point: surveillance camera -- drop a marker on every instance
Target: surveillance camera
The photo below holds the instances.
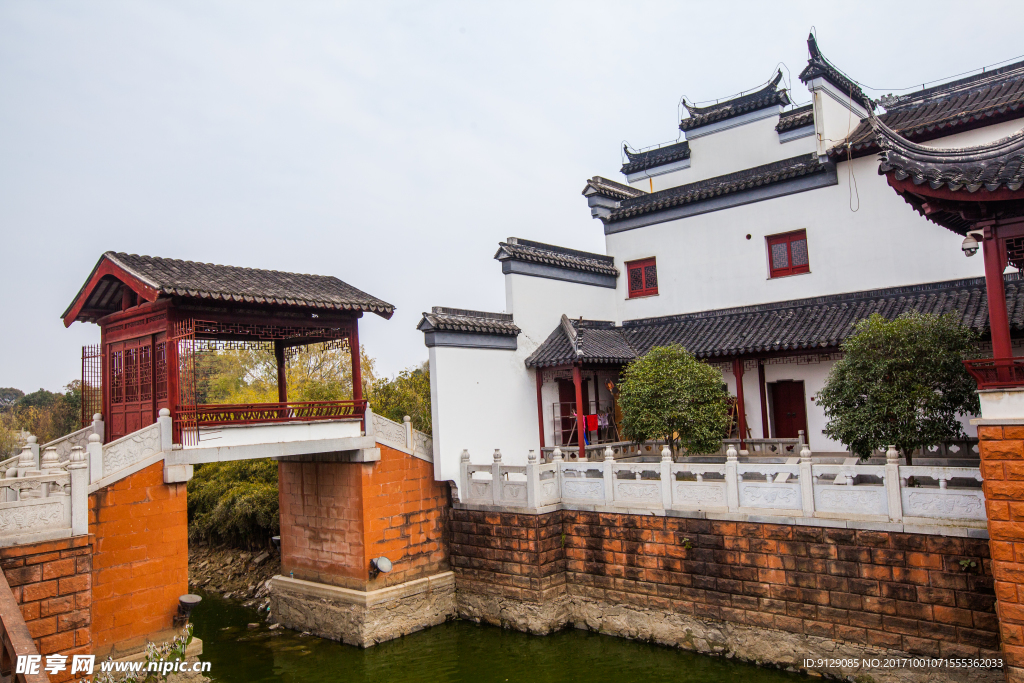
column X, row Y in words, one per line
column 970, row 245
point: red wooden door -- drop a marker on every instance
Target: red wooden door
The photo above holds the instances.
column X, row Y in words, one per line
column 567, row 407
column 130, row 377
column 788, row 409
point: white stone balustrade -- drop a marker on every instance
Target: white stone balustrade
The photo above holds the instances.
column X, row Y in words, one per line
column 797, row 488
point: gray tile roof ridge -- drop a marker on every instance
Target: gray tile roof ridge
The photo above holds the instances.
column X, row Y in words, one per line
column 954, row 88
column 518, row 249
column 469, row 313
column 609, row 188
column 765, row 174
column 846, row 297
column 196, row 279
column 796, row 118
column 766, row 96
column 655, row 156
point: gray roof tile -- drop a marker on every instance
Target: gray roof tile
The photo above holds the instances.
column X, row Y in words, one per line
column 767, row 96
column 805, row 324
column 463, row 320
column 518, row 249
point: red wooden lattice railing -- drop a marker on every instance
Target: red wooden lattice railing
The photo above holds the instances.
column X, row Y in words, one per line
column 214, row 415
column 993, row 373
column 15, row 638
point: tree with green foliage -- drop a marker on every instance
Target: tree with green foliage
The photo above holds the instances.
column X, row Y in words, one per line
column 668, row 394
column 901, row 382
column 234, row 503
column 408, row 393
column 9, row 396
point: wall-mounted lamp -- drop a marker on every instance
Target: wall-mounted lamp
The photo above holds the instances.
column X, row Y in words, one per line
column 969, row 245
column 379, row 565
column 186, row 603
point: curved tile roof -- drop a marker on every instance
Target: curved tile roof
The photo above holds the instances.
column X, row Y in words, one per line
column 463, row 320
column 213, row 282
column 965, row 104
column 652, row 158
column 611, row 189
column 778, row 171
column 765, row 97
column 796, row 118
column 995, row 165
column 799, row 325
column 819, row 67
column 517, row 249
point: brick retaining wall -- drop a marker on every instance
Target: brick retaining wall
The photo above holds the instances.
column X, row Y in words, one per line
column 140, row 526
column 878, row 589
column 337, row 516
column 52, row 583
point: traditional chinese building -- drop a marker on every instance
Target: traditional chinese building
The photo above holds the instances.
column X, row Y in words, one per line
column 757, row 240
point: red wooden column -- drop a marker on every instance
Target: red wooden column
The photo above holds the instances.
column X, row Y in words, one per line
column 741, row 415
column 996, row 294
column 581, row 423
column 282, row 373
column 540, row 406
column 357, row 373
column 763, row 390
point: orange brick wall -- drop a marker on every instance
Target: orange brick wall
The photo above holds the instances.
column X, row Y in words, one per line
column 1002, row 467
column 336, row 517
column 52, row 583
column 406, row 517
column 322, row 522
column 140, row 564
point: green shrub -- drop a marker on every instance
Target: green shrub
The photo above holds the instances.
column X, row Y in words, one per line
column 234, row 503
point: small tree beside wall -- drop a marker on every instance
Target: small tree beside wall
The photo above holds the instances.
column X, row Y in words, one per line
column 668, row 394
column 901, row 382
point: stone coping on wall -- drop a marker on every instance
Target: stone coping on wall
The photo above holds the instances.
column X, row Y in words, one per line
column 895, row 527
column 362, row 598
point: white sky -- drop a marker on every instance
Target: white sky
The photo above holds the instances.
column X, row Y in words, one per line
column 389, row 144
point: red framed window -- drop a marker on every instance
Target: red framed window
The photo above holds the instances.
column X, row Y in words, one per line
column 787, row 254
column 643, row 277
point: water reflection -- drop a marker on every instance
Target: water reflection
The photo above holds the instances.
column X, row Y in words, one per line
column 456, row 652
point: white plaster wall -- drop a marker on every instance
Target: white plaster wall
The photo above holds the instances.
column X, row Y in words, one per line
column 705, row 262
column 537, row 305
column 482, row 399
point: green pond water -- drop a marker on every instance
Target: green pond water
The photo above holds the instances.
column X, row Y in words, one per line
column 455, row 652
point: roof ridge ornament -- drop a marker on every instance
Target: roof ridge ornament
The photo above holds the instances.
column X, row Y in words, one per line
column 819, row 67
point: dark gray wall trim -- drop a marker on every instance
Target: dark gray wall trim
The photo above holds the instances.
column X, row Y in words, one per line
column 796, row 133
column 757, row 194
column 555, row 273
column 470, row 341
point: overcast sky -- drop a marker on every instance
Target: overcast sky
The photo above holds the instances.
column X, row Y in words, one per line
column 392, row 145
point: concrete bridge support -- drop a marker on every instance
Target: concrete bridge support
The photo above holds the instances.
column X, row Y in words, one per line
column 337, row 520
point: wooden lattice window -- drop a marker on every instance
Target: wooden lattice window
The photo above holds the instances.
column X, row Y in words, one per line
column 131, row 375
column 787, row 254
column 161, row 371
column 117, row 377
column 145, row 373
column 642, row 277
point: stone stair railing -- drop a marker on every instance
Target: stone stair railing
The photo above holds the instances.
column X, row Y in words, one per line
column 401, row 437
column 797, row 488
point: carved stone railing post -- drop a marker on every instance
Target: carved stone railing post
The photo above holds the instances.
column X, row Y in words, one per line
column 369, row 428
column 496, row 477
column 49, row 464
column 666, row 477
column 78, row 468
column 97, row 425
column 33, row 443
column 166, row 430
column 732, row 485
column 806, row 481
column 532, row 479
column 556, row 458
column 408, row 431
column 609, row 475
column 95, row 450
column 893, row 484
column 464, row 490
